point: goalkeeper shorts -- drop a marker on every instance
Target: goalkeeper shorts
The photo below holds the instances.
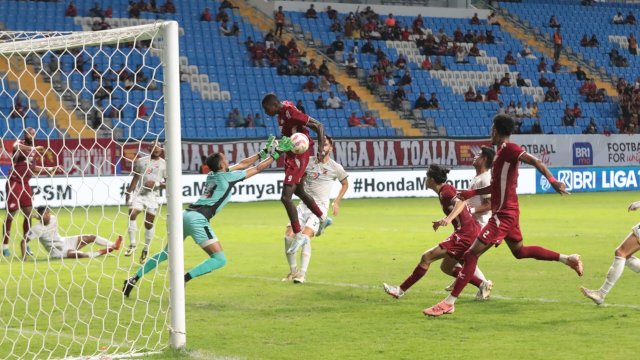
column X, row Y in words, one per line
column 197, row 226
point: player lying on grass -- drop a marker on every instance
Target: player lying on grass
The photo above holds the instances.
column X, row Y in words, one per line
column 195, row 219
column 292, row 120
column 505, row 222
column 450, row 251
column 149, row 176
column 622, row 256
column 319, row 178
column 66, row 247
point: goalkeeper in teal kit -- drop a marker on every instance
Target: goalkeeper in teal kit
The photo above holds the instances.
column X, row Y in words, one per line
column 195, row 219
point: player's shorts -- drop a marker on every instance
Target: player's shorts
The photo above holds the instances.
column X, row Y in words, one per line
column 295, row 167
column 68, row 243
column 197, row 226
column 18, row 195
column 501, row 227
column 636, row 231
column 147, row 203
column 307, row 218
column 456, row 246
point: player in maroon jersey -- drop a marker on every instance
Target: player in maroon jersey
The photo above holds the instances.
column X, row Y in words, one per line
column 18, row 191
column 466, row 230
column 504, row 224
column 291, row 120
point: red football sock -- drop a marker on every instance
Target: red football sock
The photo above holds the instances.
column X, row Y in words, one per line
column 315, row 209
column 7, row 230
column 474, row 280
column 465, row 275
column 416, row 275
column 26, row 225
column 536, row 252
column 295, row 226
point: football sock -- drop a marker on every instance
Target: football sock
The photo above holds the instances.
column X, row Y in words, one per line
column 102, row 241
column 7, row 230
column 416, row 275
column 315, row 209
column 536, row 252
column 26, row 224
column 94, row 254
column 479, row 274
column 563, row 258
column 465, row 275
column 450, row 299
column 291, row 258
column 133, row 229
column 305, row 257
column 153, row 262
column 613, row 275
column 476, row 281
column 148, row 236
column 295, row 225
column 633, row 263
column 5, row 246
column 214, row 262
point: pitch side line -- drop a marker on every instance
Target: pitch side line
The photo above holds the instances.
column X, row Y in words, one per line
column 497, row 297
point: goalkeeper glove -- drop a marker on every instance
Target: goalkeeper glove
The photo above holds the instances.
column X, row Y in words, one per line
column 267, row 148
column 283, row 146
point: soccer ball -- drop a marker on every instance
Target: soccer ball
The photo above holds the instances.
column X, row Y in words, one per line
column 300, row 143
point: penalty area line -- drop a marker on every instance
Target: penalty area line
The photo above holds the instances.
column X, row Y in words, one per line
column 493, row 296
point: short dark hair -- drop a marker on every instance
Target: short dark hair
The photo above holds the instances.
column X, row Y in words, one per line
column 438, row 173
column 41, row 209
column 504, row 124
column 270, row 98
column 329, row 138
column 488, row 154
column 213, row 162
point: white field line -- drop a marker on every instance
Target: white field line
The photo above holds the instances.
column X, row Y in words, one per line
column 440, row 292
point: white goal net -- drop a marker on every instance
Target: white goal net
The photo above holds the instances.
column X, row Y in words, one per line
column 96, row 102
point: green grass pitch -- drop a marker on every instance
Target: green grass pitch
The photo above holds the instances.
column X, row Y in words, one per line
column 244, row 311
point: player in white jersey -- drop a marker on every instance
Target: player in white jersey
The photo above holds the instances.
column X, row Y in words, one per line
column 58, row 247
column 149, row 176
column 320, row 176
column 480, row 207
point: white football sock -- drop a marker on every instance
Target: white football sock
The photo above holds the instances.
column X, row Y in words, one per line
column 291, row 258
column 450, row 299
column 563, row 258
column 478, row 273
column 133, row 232
column 613, row 275
column 5, row 246
column 148, row 236
column 102, row 241
column 633, row 263
column 305, row 257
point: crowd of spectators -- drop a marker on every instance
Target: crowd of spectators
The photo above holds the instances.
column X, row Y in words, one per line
column 629, row 101
column 236, row 120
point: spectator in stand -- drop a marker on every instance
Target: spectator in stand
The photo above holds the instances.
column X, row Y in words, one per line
column 557, row 44
column 18, row 109
column 351, row 65
column 108, row 13
column 618, row 19
column 309, row 86
column 96, row 11
column 520, row 82
column 249, row 122
column 368, row 48
column 474, row 50
column 142, row 111
column 235, row 119
column 418, row 25
column 458, row 35
column 526, row 52
column 319, row 102
column 421, row 102
column 397, row 98
column 437, row 65
column 633, row 44
column 588, row 87
column 501, row 110
column 492, row 94
column 258, row 121
column 311, row 13
column 519, row 110
column 279, row 20
column 506, row 80
column 354, row 120
column 631, row 19
column 577, row 112
column 222, row 15
column 206, row 15
column 433, row 102
column 300, row 107
column 351, row 95
column 461, row 55
column 490, row 38
column 333, row 102
column 568, row 119
column 401, row 62
column 511, row 109
column 536, row 128
column 535, row 112
column 556, row 67
column 168, row 7
column 592, row 127
column 492, row 19
column 542, row 65
column 332, row 13
column 72, row 10
column 553, row 22
column 584, row 42
column 390, row 21
column 528, row 111
column 606, row 131
column 580, row 74
column 405, row 79
column 426, row 63
column 324, row 84
column 475, row 20
column 369, row 120
column 469, row 37
column 552, row 95
column 593, row 42
column 470, row 95
column 509, row 59
column 323, row 69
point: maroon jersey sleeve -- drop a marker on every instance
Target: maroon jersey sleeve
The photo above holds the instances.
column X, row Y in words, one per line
column 447, row 196
column 513, row 152
column 293, row 116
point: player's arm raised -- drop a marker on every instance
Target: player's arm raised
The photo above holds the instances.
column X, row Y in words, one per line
column 284, row 145
column 245, row 163
column 558, row 186
column 317, row 126
column 457, row 209
column 336, row 202
column 468, row 194
column 26, row 149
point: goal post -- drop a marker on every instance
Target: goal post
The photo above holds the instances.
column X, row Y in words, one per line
column 94, row 122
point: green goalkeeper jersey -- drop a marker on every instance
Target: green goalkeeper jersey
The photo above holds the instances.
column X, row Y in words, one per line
column 217, row 192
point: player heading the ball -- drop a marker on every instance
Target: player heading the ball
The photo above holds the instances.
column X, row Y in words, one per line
column 291, row 120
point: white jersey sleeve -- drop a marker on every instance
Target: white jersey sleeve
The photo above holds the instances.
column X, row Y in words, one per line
column 321, row 177
column 481, row 181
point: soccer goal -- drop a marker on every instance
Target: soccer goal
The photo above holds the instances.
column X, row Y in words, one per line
column 98, row 101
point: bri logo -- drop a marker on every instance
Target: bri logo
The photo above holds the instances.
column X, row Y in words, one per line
column 582, row 153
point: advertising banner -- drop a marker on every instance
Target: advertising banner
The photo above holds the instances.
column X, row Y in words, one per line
column 591, row 179
column 582, row 150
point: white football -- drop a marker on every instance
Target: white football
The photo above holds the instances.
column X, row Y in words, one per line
column 300, row 143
